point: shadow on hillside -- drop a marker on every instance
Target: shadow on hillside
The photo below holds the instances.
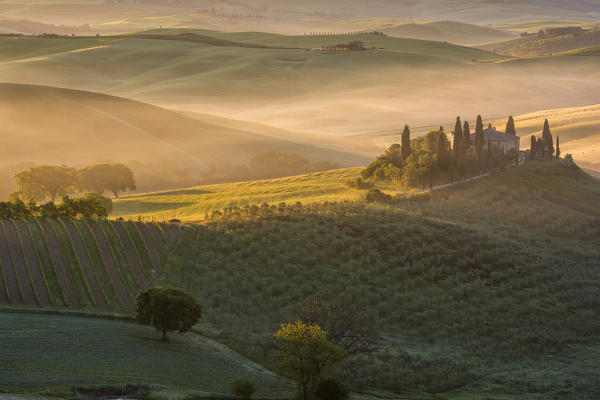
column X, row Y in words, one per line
column 134, row 207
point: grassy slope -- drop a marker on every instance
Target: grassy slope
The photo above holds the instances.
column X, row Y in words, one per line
column 99, row 351
column 304, row 91
column 96, row 127
column 192, row 204
column 533, row 46
column 494, row 283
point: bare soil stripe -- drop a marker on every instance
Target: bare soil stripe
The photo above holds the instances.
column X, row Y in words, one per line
column 16, row 254
column 88, row 272
column 59, row 265
column 150, row 244
column 131, row 255
column 9, row 271
column 31, row 258
column 111, row 266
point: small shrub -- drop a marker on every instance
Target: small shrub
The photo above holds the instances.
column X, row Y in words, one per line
column 243, row 388
column 330, row 389
column 359, row 183
column 377, row 196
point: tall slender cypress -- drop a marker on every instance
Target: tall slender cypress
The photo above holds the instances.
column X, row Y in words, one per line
column 557, row 147
column 548, row 143
column 479, row 141
column 405, row 143
column 532, row 148
column 458, row 133
column 510, row 126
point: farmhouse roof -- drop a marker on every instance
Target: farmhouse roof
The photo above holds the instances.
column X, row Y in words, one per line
column 495, row 136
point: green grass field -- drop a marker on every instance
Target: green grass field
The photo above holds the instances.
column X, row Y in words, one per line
column 193, row 204
column 47, row 353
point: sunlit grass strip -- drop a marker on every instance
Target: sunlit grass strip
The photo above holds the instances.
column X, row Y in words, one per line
column 12, row 261
column 27, row 266
column 98, row 267
column 82, row 288
column 42, row 253
column 117, row 250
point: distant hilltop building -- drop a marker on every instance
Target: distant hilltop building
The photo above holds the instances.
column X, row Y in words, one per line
column 508, row 143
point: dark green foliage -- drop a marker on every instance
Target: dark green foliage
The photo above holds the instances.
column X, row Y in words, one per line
column 547, row 142
column 405, row 143
column 510, row 127
column 46, row 182
column 359, row 183
column 458, row 137
column 557, row 147
column 331, row 389
column 377, row 196
column 87, row 207
column 480, row 280
column 479, row 142
column 387, row 167
column 167, row 309
column 533, row 148
column 243, row 388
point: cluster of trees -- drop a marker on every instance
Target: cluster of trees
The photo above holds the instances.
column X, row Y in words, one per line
column 543, row 147
column 55, row 181
column 90, row 206
column 434, row 158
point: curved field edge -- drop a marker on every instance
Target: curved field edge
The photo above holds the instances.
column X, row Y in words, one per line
column 111, row 351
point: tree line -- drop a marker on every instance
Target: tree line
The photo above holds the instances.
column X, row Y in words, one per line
column 435, row 159
column 49, row 182
column 92, row 205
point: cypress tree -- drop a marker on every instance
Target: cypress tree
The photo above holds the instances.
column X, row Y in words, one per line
column 466, row 145
column 532, row 148
column 479, row 125
column 490, row 155
column 405, row 143
column 510, row 127
column 458, row 133
column 539, row 147
column 479, row 141
column 548, row 143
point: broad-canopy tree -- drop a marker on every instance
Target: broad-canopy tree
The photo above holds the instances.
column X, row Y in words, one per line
column 46, row 182
column 307, row 354
column 102, row 178
column 345, row 321
column 167, row 309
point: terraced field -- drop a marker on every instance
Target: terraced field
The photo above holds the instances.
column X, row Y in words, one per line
column 91, row 265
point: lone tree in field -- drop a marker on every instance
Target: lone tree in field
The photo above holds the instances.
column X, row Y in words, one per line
column 346, row 322
column 547, row 141
column 101, row 178
column 510, row 127
column 167, row 310
column 405, row 143
column 307, row 354
column 46, row 182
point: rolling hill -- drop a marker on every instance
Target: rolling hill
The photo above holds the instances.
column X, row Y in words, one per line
column 487, row 289
column 77, row 128
column 301, row 90
column 536, row 45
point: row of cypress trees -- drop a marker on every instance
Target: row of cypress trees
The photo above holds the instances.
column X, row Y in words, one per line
column 543, row 147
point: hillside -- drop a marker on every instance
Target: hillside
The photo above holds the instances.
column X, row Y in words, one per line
column 95, row 352
column 303, row 91
column 536, row 45
column 282, row 16
column 164, row 148
column 488, row 289
column 193, row 204
column 96, row 265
